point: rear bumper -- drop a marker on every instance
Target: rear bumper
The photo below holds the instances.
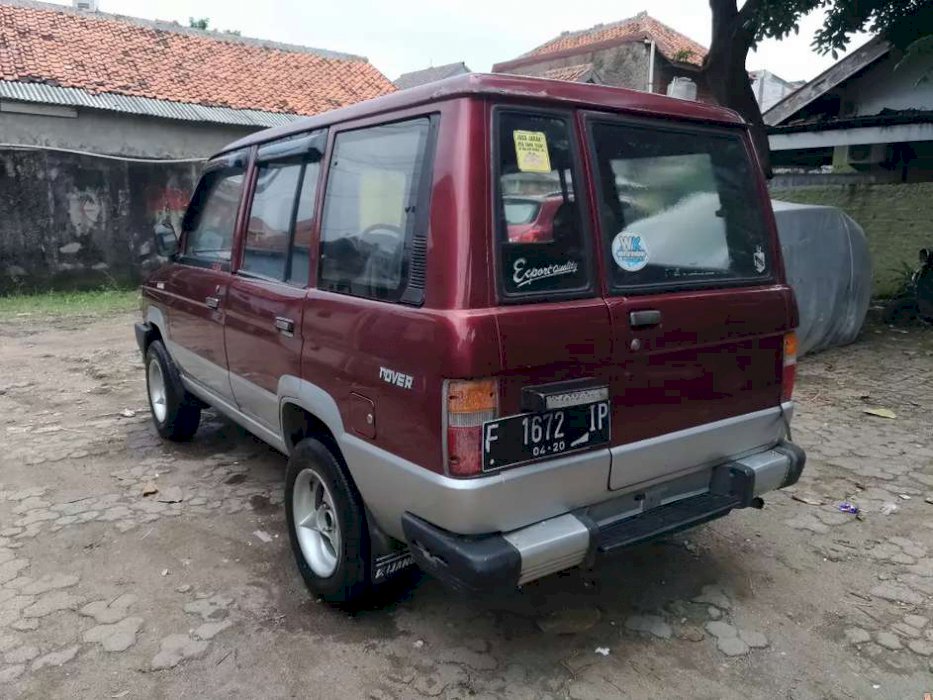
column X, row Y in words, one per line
column 493, row 561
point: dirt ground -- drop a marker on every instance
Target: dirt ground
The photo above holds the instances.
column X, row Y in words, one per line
column 191, row 591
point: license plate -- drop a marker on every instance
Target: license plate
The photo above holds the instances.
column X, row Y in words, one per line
column 532, row 436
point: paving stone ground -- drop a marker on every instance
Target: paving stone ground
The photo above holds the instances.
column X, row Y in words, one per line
column 132, row 568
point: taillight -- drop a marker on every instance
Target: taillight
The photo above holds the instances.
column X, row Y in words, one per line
column 789, row 375
column 469, row 405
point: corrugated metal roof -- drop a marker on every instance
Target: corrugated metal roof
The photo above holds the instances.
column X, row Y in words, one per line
column 111, row 102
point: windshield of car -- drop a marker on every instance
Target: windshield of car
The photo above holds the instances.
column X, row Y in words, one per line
column 678, row 208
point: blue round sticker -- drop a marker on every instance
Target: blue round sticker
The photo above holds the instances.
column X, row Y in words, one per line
column 629, row 252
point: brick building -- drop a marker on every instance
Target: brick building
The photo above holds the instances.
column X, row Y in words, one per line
column 639, row 53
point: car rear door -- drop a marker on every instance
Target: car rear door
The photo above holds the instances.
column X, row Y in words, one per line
column 553, row 324
column 195, row 291
column 694, row 286
column 267, row 294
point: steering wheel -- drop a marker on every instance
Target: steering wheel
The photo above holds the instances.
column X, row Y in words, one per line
column 388, row 228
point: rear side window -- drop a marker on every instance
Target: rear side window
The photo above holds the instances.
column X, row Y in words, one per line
column 678, row 208
column 371, row 209
column 543, row 248
column 210, row 221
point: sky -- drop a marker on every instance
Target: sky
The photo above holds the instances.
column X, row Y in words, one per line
column 406, row 35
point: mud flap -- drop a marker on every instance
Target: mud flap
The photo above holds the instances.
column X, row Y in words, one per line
column 388, row 557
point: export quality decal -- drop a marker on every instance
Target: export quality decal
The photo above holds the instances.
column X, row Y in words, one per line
column 524, row 275
column 629, row 252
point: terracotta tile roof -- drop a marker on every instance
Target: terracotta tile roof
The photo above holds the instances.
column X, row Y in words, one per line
column 673, row 45
column 101, row 53
column 577, row 73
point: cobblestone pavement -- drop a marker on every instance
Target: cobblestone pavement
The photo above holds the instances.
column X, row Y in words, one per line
column 133, row 568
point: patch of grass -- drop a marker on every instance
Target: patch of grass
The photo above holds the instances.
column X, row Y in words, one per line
column 97, row 302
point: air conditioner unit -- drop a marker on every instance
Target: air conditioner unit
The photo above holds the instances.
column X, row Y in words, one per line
column 867, row 154
column 87, row 5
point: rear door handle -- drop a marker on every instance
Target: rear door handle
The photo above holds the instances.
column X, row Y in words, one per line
column 212, row 302
column 285, row 325
column 644, row 319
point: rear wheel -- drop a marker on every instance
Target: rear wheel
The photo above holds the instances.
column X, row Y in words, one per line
column 175, row 413
column 326, row 525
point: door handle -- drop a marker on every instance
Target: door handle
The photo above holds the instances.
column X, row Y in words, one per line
column 285, row 325
column 212, row 302
column 644, row 319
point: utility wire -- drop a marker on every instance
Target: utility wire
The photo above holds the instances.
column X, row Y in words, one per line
column 166, row 161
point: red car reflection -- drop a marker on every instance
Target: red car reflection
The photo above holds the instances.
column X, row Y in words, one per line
column 530, row 219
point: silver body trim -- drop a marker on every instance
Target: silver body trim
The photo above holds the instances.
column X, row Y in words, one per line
column 550, row 546
column 770, row 468
column 669, row 455
column 233, row 413
column 257, row 403
column 500, row 502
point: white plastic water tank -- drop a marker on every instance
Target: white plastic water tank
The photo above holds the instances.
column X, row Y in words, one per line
column 682, row 88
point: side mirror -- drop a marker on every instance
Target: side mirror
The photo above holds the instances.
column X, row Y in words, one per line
column 166, row 240
column 926, row 257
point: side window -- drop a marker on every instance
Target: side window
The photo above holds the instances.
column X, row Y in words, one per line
column 281, row 219
column 210, row 222
column 370, row 209
column 304, row 221
column 265, row 251
column 543, row 249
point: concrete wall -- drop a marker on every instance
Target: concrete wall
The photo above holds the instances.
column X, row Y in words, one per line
column 73, row 221
column 112, row 133
column 896, row 218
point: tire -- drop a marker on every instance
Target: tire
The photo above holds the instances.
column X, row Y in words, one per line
column 332, row 550
column 175, row 413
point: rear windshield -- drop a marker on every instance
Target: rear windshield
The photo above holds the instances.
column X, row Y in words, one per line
column 678, row 208
column 543, row 251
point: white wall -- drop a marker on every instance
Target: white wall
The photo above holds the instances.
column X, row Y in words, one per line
column 884, row 86
column 769, row 89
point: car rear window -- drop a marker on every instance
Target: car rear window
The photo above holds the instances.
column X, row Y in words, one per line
column 678, row 208
column 543, row 249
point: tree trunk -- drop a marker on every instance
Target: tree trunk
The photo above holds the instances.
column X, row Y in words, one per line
column 724, row 69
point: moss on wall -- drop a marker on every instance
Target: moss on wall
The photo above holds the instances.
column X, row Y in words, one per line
column 898, row 221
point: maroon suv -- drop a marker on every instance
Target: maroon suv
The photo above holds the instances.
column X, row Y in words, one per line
column 492, row 408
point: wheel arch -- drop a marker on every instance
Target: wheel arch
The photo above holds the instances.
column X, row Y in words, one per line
column 307, row 410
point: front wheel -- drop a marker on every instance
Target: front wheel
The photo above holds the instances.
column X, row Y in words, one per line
column 326, row 525
column 175, row 413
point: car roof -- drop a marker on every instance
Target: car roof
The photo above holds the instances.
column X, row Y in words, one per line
column 504, row 87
